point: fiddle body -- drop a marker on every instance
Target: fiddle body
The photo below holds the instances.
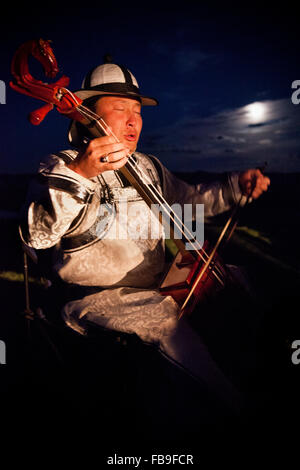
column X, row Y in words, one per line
column 184, row 273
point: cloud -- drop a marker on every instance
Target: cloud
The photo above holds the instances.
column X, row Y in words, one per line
column 210, row 140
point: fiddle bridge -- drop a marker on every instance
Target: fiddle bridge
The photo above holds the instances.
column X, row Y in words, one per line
column 187, row 274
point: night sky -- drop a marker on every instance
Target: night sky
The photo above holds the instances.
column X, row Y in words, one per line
column 222, row 76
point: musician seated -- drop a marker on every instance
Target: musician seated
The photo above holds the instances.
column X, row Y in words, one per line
column 76, row 205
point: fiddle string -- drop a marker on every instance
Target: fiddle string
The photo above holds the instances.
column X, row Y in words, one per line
column 172, row 215
column 235, row 215
column 213, row 268
column 233, row 218
column 152, row 189
column 133, row 165
column 103, row 126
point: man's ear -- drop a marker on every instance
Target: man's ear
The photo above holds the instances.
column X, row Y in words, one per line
column 91, row 102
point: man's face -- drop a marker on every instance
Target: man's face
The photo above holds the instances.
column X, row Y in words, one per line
column 123, row 116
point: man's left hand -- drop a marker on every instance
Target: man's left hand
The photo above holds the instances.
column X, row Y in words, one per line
column 253, row 182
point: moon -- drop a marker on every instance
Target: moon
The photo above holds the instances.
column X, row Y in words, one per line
column 256, row 112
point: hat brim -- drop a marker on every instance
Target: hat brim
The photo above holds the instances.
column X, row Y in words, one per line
column 145, row 100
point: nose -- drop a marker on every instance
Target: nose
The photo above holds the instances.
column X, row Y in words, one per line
column 131, row 119
column 131, row 122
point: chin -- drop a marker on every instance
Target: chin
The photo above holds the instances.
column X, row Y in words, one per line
column 132, row 148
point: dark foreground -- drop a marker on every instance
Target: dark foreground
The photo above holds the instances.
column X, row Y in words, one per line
column 107, row 395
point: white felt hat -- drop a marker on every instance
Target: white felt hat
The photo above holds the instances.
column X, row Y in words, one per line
column 112, row 79
column 109, row 79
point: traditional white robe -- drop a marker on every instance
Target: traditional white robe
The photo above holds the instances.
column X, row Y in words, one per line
column 80, row 218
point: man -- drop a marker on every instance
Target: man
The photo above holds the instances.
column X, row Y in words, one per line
column 116, row 280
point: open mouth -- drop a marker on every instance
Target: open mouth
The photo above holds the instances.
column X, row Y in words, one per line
column 131, row 137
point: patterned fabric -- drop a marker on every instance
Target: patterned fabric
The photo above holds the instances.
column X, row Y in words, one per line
column 154, row 319
column 63, row 212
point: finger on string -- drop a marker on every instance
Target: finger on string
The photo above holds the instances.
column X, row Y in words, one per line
column 101, row 141
column 115, row 165
column 113, row 155
column 108, row 149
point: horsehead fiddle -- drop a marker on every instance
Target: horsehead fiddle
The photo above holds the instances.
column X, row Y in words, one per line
column 194, row 274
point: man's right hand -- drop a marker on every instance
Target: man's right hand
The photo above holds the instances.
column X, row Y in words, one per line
column 88, row 162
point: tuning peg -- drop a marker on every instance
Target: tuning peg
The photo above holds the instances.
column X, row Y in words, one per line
column 37, row 116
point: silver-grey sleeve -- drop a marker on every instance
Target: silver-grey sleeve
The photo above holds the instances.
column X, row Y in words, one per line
column 55, row 198
column 217, row 197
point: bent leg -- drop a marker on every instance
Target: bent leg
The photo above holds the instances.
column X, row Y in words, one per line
column 153, row 318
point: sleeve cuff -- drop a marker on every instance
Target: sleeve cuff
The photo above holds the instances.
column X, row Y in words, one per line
column 238, row 197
